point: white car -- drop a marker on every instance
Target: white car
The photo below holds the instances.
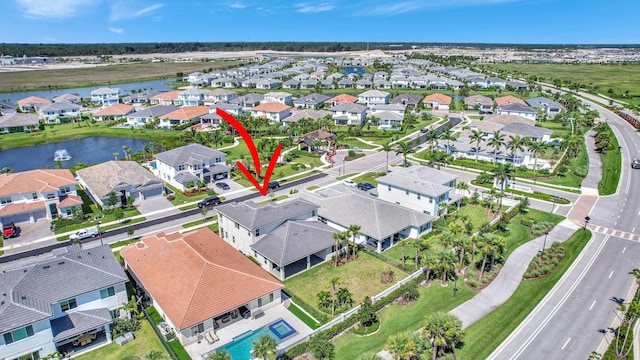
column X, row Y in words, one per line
column 350, row 183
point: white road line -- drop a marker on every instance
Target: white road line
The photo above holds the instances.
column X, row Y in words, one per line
column 565, row 344
column 611, row 274
column 625, row 249
column 634, row 229
column 591, row 307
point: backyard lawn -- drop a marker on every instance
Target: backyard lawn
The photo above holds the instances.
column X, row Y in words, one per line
column 361, row 277
column 145, row 341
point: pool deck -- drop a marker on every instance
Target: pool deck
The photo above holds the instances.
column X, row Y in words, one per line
column 226, row 334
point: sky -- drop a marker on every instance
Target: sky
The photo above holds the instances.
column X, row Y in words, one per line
column 457, row 21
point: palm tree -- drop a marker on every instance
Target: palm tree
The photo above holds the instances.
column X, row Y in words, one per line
column 353, row 231
column 219, row 355
column 265, row 348
column 477, row 136
column 515, row 144
column 338, row 237
column 496, row 142
column 216, row 137
column 448, row 136
column 430, row 261
column 333, row 284
column 502, row 173
column 462, row 243
column 401, row 346
column 127, row 151
column 431, row 138
column 534, row 148
column 147, row 150
column 463, row 186
column 444, row 332
column 386, row 148
column 405, row 149
column 116, row 155
column 7, row 170
column 447, row 259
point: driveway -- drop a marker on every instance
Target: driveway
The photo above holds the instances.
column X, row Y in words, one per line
column 157, row 206
column 29, row 232
column 233, row 186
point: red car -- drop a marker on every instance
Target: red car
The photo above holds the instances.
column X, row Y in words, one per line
column 9, row 231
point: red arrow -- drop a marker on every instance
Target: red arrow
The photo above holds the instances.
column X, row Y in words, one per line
column 254, row 154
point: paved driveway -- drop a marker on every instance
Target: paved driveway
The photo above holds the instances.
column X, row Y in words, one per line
column 153, row 207
column 29, row 232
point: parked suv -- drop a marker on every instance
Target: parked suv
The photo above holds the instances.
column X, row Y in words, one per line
column 9, row 231
column 212, row 200
column 273, row 184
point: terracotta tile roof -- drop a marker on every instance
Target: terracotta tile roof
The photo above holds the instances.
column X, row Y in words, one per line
column 270, row 107
column 342, row 98
column 187, row 113
column 71, row 200
column 115, row 110
column 504, row 100
column 33, row 100
column 441, row 98
column 35, row 180
column 205, row 276
column 169, row 95
column 19, row 208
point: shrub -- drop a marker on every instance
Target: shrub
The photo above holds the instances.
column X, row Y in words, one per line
column 527, row 221
column 352, row 153
column 581, row 171
column 121, row 326
column 541, row 227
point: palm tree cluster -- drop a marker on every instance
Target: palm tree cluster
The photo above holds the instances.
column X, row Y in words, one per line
column 441, row 334
column 351, row 248
column 603, row 137
column 335, row 297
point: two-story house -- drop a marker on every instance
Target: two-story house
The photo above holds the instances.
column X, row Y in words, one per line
column 347, row 113
column 191, row 97
column 64, row 304
column 550, row 107
column 32, row 195
column 279, row 97
column 105, row 96
column 219, row 95
column 275, row 112
column 183, row 167
column 58, row 111
column 372, row 97
column 32, row 103
column 517, row 109
column 420, row 188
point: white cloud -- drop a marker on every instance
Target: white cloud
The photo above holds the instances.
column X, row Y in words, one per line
column 122, row 10
column 116, row 30
column 236, row 5
column 414, row 5
column 312, row 8
column 53, row 9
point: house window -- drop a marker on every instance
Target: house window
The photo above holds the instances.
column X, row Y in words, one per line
column 5, row 200
column 68, row 304
column 389, row 187
column 108, row 292
column 257, row 232
column 18, row 334
column 430, row 200
column 271, row 297
column 65, row 189
column 68, row 212
column 314, row 212
column 197, row 329
column 34, row 195
column 233, row 238
column 237, row 225
column 259, row 302
column 180, row 167
column 418, row 196
column 406, row 192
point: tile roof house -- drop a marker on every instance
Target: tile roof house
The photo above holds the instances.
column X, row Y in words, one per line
column 342, row 98
column 148, row 115
column 275, row 112
column 347, row 113
column 183, row 167
column 47, row 306
column 32, row 103
column 306, row 114
column 437, row 101
column 184, row 115
column 549, row 106
column 508, row 99
column 479, row 102
column 211, row 282
column 517, row 109
column 372, row 97
column 18, row 122
column 112, row 112
column 105, row 96
column 142, row 97
column 310, row 101
column 165, row 98
column 420, row 188
column 55, row 112
column 124, row 178
column 32, row 195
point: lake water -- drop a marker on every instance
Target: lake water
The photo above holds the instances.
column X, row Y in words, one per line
column 352, row 70
column 85, row 92
column 90, row 150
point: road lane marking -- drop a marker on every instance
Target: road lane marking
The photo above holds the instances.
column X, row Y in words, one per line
column 565, row 344
column 591, row 307
column 625, row 249
column 611, row 274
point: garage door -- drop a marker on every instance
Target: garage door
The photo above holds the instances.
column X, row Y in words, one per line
column 39, row 215
column 149, row 193
column 16, row 219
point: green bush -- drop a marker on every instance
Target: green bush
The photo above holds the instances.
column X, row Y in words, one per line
column 153, row 314
column 121, row 326
column 527, row 221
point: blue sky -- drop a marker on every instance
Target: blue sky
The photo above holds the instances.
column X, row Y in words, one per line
column 487, row 21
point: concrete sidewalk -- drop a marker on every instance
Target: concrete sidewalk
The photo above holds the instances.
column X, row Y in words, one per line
column 510, row 276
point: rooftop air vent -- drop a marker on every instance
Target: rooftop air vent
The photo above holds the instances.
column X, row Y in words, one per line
column 61, row 263
column 45, row 267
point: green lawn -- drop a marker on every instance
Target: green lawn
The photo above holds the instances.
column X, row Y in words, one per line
column 179, row 198
column 611, row 168
column 199, row 222
column 145, row 341
column 486, row 334
column 361, row 277
column 519, row 234
column 369, row 177
column 570, row 178
column 397, row 318
column 477, row 215
column 302, row 316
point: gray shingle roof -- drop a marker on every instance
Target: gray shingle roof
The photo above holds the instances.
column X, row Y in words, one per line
column 18, row 119
column 420, row 179
column 78, row 322
column 62, row 105
column 544, row 103
column 254, row 216
column 517, row 107
column 407, row 99
column 294, row 240
column 374, row 93
column 525, row 130
column 31, row 290
column 153, row 111
column 104, row 178
column 349, row 107
column 187, row 154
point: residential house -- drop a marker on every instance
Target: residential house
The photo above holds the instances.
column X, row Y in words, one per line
column 342, row 98
column 115, row 112
column 60, row 304
column 32, row 103
column 310, row 101
column 219, row 95
column 345, row 83
column 57, row 112
column 191, row 97
column 248, row 101
column 407, row 99
column 389, row 120
column 72, row 98
column 437, row 101
column 482, row 103
column 268, row 83
column 550, row 107
column 517, row 109
column 142, row 97
column 374, row 97
column 381, row 84
column 149, row 115
column 398, row 109
column 517, row 85
column 165, row 98
column 454, row 84
column 306, row 114
column 364, row 84
column 279, row 97
column 211, row 282
column 105, row 96
column 347, row 113
column 235, row 109
column 7, row 108
column 309, row 140
column 125, row 179
column 33, row 195
column 291, row 84
column 508, row 99
column 275, row 112
column 183, row 167
column 181, row 116
column 18, row 122
column 309, row 84
column 420, row 188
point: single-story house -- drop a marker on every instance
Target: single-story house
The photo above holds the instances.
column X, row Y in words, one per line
column 183, row 115
column 55, row 112
column 145, row 116
column 142, row 97
column 407, row 99
column 113, row 112
column 508, row 99
column 482, row 103
column 32, row 103
column 165, row 98
column 437, row 101
column 306, row 114
column 310, row 101
column 549, row 106
column 18, row 122
column 342, row 98
column 72, row 98
column 517, row 109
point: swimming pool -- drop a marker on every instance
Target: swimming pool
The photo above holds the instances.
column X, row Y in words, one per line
column 240, row 347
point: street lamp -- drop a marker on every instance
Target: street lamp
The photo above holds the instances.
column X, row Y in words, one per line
column 343, row 173
column 586, row 221
column 544, row 244
column 99, row 234
column 455, row 284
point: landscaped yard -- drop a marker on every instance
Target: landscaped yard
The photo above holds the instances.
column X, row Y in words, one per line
column 145, row 341
column 369, row 177
column 520, row 234
column 361, row 277
column 611, row 162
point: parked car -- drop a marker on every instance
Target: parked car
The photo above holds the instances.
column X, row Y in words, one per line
column 273, row 184
column 222, row 186
column 9, row 231
column 350, row 183
column 212, row 200
column 366, row 186
column 357, row 149
column 85, row 233
column 635, row 164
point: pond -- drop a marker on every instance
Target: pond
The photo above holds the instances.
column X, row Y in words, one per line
column 85, row 92
column 90, row 150
column 353, row 70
